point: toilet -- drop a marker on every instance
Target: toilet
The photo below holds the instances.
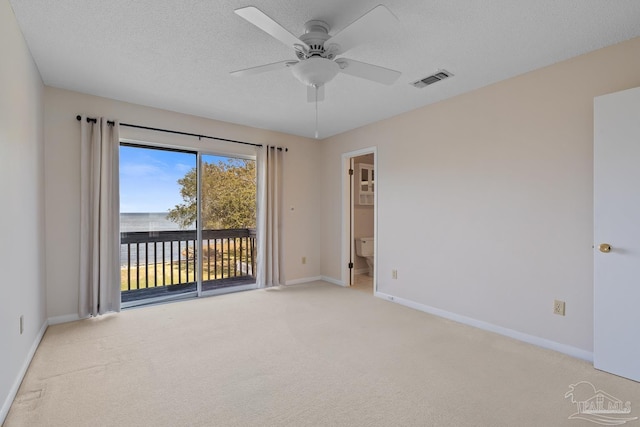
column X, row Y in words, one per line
column 365, row 248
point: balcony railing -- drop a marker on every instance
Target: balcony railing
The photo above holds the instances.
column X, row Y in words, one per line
column 157, row 262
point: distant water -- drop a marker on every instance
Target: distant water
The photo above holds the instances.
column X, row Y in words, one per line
column 149, row 221
column 146, row 221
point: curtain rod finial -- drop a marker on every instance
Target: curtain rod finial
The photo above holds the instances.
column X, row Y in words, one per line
column 78, row 117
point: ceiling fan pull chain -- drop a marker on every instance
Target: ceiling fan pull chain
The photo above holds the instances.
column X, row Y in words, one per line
column 316, row 87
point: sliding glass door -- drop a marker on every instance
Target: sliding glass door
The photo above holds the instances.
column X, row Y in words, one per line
column 163, row 252
column 228, row 218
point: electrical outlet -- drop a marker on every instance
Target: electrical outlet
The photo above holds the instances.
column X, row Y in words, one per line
column 21, row 324
column 304, row 259
column 558, row 307
column 394, row 274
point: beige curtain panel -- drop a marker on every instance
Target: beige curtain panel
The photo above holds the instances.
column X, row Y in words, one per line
column 270, row 264
column 99, row 218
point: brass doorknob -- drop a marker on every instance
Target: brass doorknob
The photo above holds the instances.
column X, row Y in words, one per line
column 604, row 247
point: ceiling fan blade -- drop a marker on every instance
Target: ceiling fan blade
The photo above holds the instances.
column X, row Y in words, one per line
column 311, row 93
column 368, row 71
column 262, row 68
column 269, row 26
column 362, row 30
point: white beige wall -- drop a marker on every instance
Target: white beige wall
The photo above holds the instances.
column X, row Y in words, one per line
column 22, row 258
column 485, row 200
column 62, row 173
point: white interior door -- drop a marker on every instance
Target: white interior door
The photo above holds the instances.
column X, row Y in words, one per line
column 352, row 197
column 617, row 224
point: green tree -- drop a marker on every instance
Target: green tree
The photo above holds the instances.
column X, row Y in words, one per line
column 228, row 196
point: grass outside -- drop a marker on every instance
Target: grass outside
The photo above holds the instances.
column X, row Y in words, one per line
column 152, row 275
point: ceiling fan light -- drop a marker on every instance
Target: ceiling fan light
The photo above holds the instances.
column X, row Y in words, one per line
column 315, row 71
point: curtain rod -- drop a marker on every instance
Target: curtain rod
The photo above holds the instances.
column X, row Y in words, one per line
column 111, row 122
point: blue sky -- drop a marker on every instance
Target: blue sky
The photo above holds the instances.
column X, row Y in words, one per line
column 149, row 178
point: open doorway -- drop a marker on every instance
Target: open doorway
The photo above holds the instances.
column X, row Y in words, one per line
column 360, row 219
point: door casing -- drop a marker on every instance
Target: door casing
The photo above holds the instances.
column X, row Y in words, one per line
column 348, row 244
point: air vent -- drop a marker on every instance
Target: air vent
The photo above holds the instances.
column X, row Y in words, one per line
column 434, row 78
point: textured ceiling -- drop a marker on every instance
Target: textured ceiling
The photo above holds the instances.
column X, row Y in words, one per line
column 177, row 55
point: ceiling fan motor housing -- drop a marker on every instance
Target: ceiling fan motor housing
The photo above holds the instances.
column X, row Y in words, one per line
column 316, row 66
column 316, row 32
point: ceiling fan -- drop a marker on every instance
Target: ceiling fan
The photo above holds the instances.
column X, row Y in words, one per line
column 317, row 51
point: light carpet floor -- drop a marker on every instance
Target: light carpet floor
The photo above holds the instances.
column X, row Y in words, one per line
column 306, row 355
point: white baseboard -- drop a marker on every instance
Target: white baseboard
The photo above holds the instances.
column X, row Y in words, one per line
column 63, row 319
column 303, row 280
column 23, row 370
column 361, row 271
column 332, row 280
column 520, row 336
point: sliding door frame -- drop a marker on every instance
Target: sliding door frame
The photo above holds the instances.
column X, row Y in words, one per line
column 199, row 153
